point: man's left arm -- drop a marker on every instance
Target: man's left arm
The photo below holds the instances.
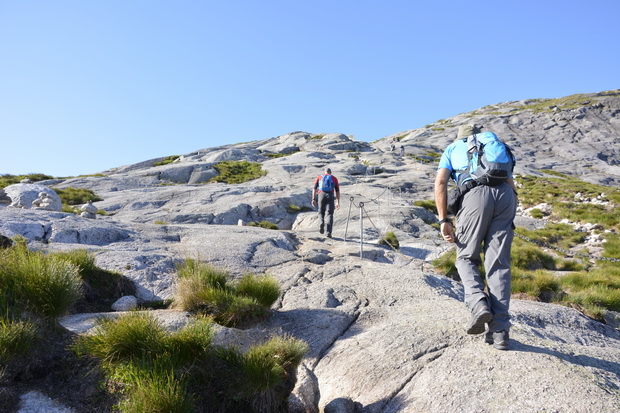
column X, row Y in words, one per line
column 337, row 190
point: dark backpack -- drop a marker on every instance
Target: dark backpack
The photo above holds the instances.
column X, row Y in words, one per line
column 490, row 161
column 326, row 183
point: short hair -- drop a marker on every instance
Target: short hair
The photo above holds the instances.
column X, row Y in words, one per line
column 328, row 170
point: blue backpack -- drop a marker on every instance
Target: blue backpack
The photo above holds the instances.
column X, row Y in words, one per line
column 490, row 161
column 326, row 183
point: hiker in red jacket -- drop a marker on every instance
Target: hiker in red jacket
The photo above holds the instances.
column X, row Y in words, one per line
column 326, row 186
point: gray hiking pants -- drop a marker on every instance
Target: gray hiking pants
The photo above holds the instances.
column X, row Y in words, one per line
column 486, row 217
column 326, row 204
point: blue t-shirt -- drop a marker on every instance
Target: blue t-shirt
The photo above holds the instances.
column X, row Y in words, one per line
column 454, row 158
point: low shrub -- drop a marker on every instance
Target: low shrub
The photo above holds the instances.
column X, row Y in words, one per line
column 206, row 290
column 76, row 196
column 45, row 285
column 237, row 172
column 265, row 289
column 167, row 160
column 294, row 209
column 390, row 240
column 539, row 284
column 428, row 205
column 128, row 338
column 264, row 224
column 8, row 179
column 184, row 372
column 100, row 287
column 16, row 337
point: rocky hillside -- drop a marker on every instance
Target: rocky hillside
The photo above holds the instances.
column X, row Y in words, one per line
column 385, row 332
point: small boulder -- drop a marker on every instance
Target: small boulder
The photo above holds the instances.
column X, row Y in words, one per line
column 126, row 303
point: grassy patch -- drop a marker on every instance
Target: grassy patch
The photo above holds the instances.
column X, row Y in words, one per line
column 167, row 160
column 100, row 288
column 390, row 240
column 207, row 290
column 315, row 137
column 47, row 286
column 559, row 191
column 428, row 205
column 8, row 179
column 151, row 370
column 75, row 196
column 264, row 224
column 294, row 209
column 236, row 172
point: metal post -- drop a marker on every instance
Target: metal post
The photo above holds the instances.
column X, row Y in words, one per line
column 346, row 228
column 361, row 228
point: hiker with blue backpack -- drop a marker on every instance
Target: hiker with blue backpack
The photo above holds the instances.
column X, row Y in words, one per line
column 327, row 190
column 484, row 203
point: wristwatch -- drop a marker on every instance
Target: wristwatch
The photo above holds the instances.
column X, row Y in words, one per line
column 445, row 220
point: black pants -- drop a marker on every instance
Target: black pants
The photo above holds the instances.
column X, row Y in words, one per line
column 326, row 204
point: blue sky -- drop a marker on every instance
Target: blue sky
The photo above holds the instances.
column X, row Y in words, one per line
column 89, row 85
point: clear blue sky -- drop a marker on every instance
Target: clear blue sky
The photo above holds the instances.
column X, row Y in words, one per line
column 89, row 85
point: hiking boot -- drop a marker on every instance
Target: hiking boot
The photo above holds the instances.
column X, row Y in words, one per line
column 488, row 337
column 329, row 235
column 480, row 315
column 501, row 340
column 322, row 229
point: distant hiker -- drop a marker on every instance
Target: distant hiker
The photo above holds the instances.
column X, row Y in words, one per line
column 392, row 147
column 487, row 211
column 326, row 186
column 402, row 150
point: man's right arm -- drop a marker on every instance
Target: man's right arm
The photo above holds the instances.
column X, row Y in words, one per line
column 441, row 201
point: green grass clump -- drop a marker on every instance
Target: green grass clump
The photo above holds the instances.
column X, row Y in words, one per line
column 264, row 289
column 167, row 160
column 75, row 196
column 390, row 240
column 8, row 179
column 539, row 284
column 237, row 172
column 428, row 205
column 294, row 209
column 128, row 338
column 530, row 257
column 16, row 337
column 152, row 370
column 204, row 289
column 100, row 287
column 264, row 224
column 45, row 285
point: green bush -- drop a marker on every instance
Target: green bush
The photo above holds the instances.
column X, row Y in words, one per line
column 265, row 289
column 7, row 179
column 167, row 160
column 530, row 257
column 100, row 287
column 237, row 172
column 128, row 338
column 205, row 289
column 264, row 224
column 428, row 205
column 16, row 337
column 294, row 209
column 154, row 391
column 45, row 285
column 539, row 284
column 156, row 371
column 390, row 240
column 76, row 196
column 537, row 213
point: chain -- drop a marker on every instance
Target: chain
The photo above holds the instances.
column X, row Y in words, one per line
column 566, row 252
